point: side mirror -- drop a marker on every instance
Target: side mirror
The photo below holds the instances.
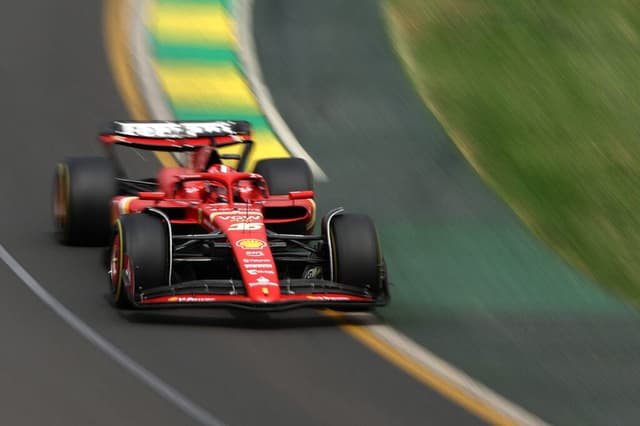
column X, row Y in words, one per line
column 300, row 195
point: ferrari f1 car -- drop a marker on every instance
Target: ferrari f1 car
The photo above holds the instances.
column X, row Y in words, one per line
column 208, row 234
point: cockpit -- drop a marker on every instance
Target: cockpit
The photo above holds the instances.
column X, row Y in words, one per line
column 219, row 184
column 248, row 190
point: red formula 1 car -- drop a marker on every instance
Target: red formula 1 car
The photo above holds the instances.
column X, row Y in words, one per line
column 211, row 235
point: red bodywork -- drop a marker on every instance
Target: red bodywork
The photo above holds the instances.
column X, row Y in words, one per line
column 220, row 199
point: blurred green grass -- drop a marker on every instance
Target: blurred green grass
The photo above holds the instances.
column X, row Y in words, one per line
column 543, row 98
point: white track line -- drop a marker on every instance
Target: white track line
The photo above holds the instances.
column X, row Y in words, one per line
column 390, row 336
column 251, row 68
column 148, row 83
column 147, row 80
column 163, row 389
column 452, row 375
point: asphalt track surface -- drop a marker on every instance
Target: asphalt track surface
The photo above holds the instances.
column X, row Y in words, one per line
column 295, row 368
column 472, row 285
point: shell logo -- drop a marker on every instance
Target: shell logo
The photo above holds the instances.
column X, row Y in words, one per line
column 250, row 243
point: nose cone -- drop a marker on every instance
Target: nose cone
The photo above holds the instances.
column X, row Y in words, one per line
column 248, row 238
column 263, row 290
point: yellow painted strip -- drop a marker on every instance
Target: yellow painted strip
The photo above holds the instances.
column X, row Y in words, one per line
column 453, row 393
column 266, row 146
column 269, row 146
column 198, row 87
column 196, row 25
column 117, row 47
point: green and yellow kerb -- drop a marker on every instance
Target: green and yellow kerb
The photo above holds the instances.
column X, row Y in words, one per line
column 194, row 49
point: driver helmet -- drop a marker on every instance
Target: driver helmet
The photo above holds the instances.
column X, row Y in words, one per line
column 219, row 168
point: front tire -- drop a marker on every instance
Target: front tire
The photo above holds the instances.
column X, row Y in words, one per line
column 355, row 252
column 83, row 190
column 139, row 256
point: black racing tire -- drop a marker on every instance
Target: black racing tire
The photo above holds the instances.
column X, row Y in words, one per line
column 355, row 252
column 82, row 194
column 284, row 175
column 139, row 256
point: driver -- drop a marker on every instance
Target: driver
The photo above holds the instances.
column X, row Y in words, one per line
column 246, row 191
column 216, row 192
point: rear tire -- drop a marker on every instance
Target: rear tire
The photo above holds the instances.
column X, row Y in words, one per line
column 83, row 190
column 355, row 252
column 284, row 175
column 139, row 256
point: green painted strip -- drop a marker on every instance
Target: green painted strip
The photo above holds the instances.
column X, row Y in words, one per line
column 225, row 3
column 198, row 54
column 440, row 278
column 256, row 119
column 207, row 55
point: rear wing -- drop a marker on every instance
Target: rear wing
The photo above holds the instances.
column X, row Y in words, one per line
column 176, row 135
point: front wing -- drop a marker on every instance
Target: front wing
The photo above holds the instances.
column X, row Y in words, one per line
column 295, row 293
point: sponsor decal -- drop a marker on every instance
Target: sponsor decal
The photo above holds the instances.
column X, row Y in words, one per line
column 250, row 243
column 262, row 284
column 261, row 266
column 221, row 210
column 259, row 271
column 262, row 281
column 245, row 226
column 174, row 130
column 257, row 261
column 328, row 298
column 192, row 129
column 241, row 218
column 194, row 298
column 253, row 253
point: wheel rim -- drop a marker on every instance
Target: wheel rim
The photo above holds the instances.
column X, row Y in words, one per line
column 116, row 266
column 61, row 198
column 127, row 276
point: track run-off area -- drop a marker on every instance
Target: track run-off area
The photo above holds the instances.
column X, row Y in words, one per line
column 219, row 367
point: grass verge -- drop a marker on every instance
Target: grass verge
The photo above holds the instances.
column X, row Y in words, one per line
column 543, row 98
